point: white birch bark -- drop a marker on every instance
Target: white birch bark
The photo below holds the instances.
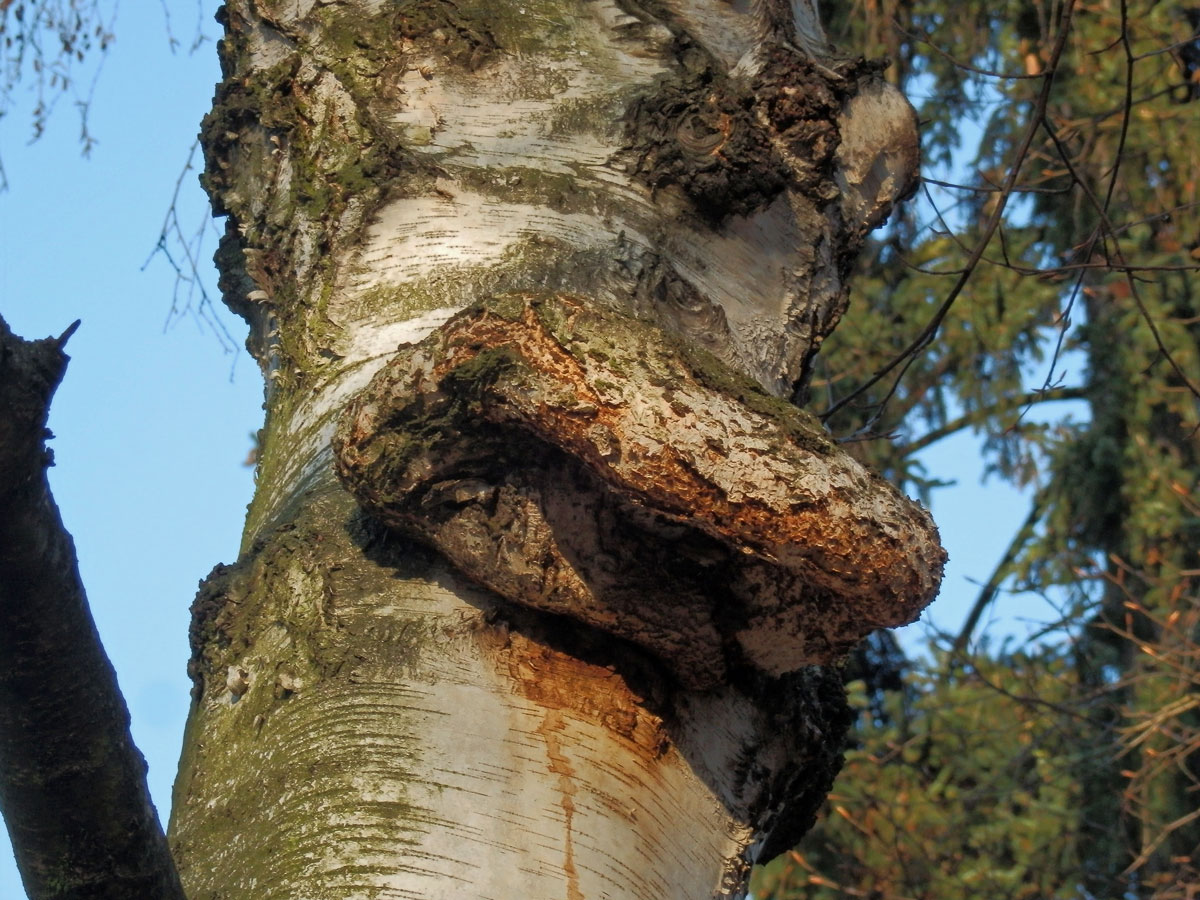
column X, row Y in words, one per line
column 370, row 720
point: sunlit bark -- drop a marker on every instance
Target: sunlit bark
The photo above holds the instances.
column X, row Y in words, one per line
column 556, row 268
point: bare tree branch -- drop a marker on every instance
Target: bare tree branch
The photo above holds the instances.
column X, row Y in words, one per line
column 72, row 784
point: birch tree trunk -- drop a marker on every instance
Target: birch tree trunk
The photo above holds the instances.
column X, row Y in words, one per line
column 543, row 570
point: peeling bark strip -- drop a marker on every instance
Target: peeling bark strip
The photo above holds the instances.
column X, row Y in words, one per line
column 575, row 462
column 72, row 784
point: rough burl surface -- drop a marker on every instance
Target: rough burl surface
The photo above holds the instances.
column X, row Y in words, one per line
column 572, row 461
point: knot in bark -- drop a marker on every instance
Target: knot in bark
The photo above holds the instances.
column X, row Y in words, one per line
column 702, row 132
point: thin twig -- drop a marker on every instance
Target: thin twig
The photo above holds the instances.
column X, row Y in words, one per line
column 931, row 330
column 981, row 415
column 992, row 587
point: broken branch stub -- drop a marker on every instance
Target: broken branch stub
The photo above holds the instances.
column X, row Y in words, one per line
column 576, row 461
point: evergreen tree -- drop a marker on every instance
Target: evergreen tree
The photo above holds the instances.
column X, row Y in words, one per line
column 1076, row 231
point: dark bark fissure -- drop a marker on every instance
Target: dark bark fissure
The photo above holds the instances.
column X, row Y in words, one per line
column 730, row 142
column 72, row 784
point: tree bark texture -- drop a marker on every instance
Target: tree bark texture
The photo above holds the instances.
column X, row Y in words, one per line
column 72, row 784
column 543, row 571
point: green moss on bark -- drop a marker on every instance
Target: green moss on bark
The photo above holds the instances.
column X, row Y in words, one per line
column 308, row 621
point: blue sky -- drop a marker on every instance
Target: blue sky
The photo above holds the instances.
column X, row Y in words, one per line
column 153, row 419
column 151, row 423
